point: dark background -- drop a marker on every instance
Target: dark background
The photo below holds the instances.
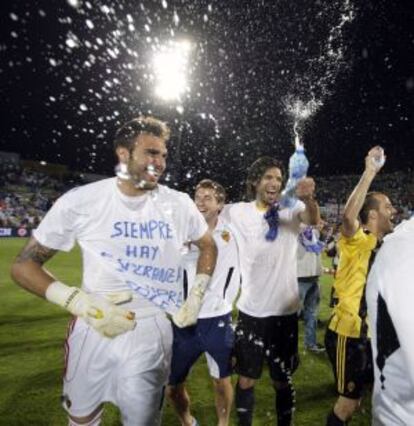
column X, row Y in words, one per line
column 63, row 105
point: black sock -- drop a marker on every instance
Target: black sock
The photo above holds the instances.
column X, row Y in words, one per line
column 244, row 405
column 334, row 420
column 285, row 404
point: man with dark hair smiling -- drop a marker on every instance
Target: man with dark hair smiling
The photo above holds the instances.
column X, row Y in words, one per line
column 267, row 327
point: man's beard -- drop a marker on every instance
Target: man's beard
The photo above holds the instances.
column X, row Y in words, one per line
column 122, row 172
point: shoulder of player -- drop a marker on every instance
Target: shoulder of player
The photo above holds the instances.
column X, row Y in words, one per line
column 176, row 200
column 237, row 213
column 166, row 191
column 239, row 207
column 402, row 236
column 361, row 237
column 89, row 193
column 393, row 264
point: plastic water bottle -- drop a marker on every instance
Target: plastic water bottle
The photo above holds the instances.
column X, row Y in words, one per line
column 298, row 168
column 379, row 158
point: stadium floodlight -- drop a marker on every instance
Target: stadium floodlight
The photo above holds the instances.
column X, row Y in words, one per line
column 171, row 64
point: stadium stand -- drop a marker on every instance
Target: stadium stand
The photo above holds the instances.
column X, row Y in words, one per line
column 28, row 189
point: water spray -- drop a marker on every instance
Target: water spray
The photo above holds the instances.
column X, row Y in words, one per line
column 318, row 87
column 298, row 163
column 298, row 143
column 121, row 171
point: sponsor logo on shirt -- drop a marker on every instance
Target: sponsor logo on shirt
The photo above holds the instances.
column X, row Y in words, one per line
column 351, row 386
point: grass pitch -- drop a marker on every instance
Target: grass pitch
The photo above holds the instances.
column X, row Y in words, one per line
column 32, row 333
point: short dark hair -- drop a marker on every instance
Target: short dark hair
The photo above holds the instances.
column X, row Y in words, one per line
column 371, row 203
column 127, row 134
column 219, row 191
column 256, row 172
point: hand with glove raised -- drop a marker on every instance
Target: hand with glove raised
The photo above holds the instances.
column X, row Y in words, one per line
column 103, row 315
column 188, row 313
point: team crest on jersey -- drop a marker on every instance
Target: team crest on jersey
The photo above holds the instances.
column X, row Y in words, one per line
column 225, row 235
column 351, row 386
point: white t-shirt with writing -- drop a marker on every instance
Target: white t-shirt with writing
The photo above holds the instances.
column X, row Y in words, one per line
column 268, row 268
column 390, row 300
column 225, row 282
column 127, row 243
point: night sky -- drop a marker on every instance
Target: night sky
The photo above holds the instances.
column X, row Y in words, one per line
column 72, row 71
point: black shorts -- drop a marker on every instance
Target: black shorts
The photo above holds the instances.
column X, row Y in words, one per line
column 272, row 338
column 351, row 360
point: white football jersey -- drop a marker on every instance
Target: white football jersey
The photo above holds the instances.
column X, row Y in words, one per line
column 224, row 285
column 127, row 243
column 268, row 268
column 390, row 298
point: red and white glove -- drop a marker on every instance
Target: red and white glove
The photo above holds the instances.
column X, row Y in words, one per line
column 103, row 315
column 188, row 313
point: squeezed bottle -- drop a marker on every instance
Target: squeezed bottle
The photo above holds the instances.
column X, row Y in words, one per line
column 298, row 168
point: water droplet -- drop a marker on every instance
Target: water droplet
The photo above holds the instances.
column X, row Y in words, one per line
column 74, row 3
column 89, row 24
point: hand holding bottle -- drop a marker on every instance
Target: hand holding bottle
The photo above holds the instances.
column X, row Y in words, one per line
column 375, row 159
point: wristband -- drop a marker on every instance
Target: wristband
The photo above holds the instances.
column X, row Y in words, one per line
column 61, row 294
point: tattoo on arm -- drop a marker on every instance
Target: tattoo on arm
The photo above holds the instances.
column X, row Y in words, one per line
column 36, row 252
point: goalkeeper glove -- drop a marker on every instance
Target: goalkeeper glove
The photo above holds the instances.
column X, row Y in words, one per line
column 103, row 315
column 188, row 313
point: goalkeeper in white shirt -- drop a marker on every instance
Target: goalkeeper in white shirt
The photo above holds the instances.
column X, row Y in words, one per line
column 130, row 230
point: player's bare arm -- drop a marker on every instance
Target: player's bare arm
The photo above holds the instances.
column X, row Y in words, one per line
column 208, row 254
column 188, row 313
column 27, row 269
column 353, row 206
column 305, row 192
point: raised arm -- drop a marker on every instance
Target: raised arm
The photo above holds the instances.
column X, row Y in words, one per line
column 350, row 223
column 305, row 190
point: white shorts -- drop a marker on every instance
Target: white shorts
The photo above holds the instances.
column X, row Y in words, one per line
column 130, row 370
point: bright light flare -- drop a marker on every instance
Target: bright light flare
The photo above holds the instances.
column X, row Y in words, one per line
column 171, row 65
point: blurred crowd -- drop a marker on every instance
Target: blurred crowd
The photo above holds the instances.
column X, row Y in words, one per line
column 333, row 191
column 26, row 195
